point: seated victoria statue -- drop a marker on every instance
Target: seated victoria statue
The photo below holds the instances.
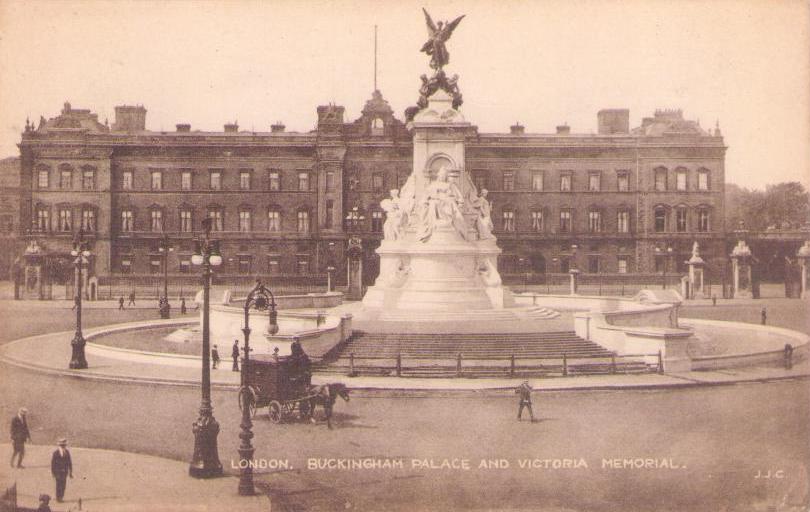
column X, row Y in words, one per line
column 441, row 207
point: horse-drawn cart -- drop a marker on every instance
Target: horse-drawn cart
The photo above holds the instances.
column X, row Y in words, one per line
column 282, row 384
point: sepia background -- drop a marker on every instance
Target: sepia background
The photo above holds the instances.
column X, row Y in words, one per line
column 542, row 63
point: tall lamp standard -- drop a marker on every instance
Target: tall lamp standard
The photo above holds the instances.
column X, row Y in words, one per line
column 205, row 461
column 664, row 254
column 165, row 248
column 81, row 253
column 260, row 298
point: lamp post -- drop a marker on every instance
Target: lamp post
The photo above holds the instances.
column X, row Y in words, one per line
column 260, row 298
column 81, row 253
column 164, row 249
column 205, row 461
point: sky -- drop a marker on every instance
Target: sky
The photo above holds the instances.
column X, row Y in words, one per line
column 743, row 63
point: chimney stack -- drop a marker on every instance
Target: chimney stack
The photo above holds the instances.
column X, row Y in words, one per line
column 277, row 127
column 613, row 120
column 183, row 128
column 129, row 118
column 563, row 129
column 231, row 127
column 516, row 129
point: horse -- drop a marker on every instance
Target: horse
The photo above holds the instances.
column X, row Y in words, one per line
column 325, row 396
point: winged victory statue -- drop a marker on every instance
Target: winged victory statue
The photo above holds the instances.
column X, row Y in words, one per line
column 438, row 36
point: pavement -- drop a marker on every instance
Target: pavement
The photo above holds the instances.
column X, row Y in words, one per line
column 114, row 481
column 50, row 353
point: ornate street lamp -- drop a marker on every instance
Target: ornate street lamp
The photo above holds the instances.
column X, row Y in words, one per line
column 80, row 253
column 165, row 249
column 664, row 255
column 205, row 461
column 260, row 298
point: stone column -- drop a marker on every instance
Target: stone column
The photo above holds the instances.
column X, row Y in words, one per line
column 696, row 269
column 574, row 276
column 741, row 267
column 804, row 260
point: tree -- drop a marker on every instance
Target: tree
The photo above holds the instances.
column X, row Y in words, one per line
column 781, row 206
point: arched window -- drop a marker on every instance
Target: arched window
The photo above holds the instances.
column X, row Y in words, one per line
column 594, row 220
column 681, row 181
column 623, row 220
column 537, row 220
column 660, row 219
column 217, row 216
column 64, row 218
column 274, row 219
column 660, row 177
column 703, row 219
column 65, row 177
column 42, row 218
column 681, row 214
column 43, row 176
column 303, row 220
column 703, row 179
column 508, row 221
column 89, row 218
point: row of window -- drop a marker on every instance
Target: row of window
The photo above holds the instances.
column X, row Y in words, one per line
column 217, row 216
column 274, row 181
column 566, row 221
column 215, row 180
column 64, row 219
column 594, row 183
column 87, row 177
column 242, row 264
column 662, row 220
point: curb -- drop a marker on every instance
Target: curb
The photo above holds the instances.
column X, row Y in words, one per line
column 688, row 383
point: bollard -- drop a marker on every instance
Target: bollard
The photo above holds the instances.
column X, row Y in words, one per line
column 788, row 356
column 660, row 363
column 565, row 365
column 512, row 366
column 458, row 365
column 399, row 364
column 351, row 364
column 613, row 363
column 534, row 300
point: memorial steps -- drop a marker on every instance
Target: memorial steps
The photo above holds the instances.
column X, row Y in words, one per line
column 482, row 355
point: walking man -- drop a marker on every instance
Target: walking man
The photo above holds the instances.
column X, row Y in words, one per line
column 61, row 468
column 19, row 435
column 120, row 303
column 235, row 355
column 764, row 315
column 182, row 305
column 131, row 298
column 214, row 357
column 525, row 392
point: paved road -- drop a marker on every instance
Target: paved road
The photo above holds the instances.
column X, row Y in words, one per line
column 719, row 437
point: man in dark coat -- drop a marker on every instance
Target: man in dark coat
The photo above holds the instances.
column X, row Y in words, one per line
column 120, row 303
column 19, row 435
column 525, row 392
column 214, row 358
column 182, row 305
column 61, row 468
column 235, row 355
column 131, row 299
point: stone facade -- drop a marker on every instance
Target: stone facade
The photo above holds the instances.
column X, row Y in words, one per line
column 9, row 214
column 287, row 202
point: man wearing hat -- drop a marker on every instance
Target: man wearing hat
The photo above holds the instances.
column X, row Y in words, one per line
column 525, row 392
column 19, row 435
column 214, row 357
column 44, row 501
column 61, row 468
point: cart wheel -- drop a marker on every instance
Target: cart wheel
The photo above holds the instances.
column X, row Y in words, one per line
column 274, row 411
column 304, row 410
column 251, row 397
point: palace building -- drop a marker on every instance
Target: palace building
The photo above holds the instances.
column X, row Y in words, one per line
column 285, row 204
